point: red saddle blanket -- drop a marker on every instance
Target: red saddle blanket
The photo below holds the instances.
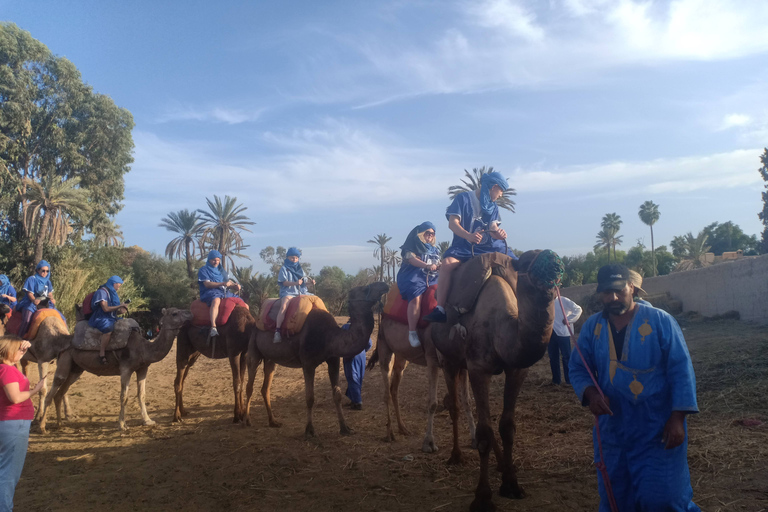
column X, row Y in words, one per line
column 397, row 309
column 12, row 327
column 201, row 312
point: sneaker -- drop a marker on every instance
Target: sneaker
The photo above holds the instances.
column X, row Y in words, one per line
column 214, row 332
column 356, row 407
column 413, row 339
column 437, row 316
column 277, row 338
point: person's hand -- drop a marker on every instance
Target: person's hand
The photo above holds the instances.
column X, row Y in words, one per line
column 597, row 404
column 313, row 282
column 25, row 345
column 432, row 267
column 37, row 301
column 674, row 430
column 499, row 234
column 565, row 321
column 300, row 281
column 475, row 238
column 123, row 310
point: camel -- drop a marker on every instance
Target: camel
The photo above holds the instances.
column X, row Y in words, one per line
column 507, row 330
column 319, row 340
column 393, row 341
column 135, row 357
column 232, row 343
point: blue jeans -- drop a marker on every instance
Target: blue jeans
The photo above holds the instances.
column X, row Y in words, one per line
column 559, row 345
column 14, row 438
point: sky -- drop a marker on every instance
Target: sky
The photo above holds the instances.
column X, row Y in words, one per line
column 336, row 121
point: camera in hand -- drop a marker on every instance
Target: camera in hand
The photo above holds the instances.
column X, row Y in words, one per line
column 127, row 301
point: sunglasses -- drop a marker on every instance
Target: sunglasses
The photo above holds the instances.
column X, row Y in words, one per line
column 44, row 271
column 429, row 233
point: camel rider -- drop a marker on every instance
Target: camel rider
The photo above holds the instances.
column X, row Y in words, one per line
column 37, row 288
column 421, row 260
column 641, row 362
column 471, row 214
column 106, row 305
column 214, row 286
column 293, row 281
column 7, row 292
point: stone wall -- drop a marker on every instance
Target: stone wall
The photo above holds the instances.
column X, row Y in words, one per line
column 740, row 285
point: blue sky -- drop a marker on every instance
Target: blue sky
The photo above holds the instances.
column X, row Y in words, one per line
column 335, row 121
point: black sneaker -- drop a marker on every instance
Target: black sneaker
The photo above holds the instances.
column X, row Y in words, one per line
column 436, row 316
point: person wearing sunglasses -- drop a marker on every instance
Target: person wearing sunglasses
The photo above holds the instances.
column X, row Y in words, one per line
column 37, row 288
column 419, row 270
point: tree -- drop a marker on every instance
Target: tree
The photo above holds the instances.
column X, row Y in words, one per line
column 380, row 251
column 694, row 248
column 763, row 216
column 222, row 224
column 393, row 261
column 607, row 239
column 106, row 233
column 611, row 224
column 50, row 204
column 273, row 257
column 189, row 227
column 442, row 247
column 727, row 236
column 55, row 129
column 472, row 183
column 333, row 285
column 649, row 214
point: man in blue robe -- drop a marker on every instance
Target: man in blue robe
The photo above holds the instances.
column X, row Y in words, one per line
column 473, row 218
column 641, row 362
column 7, row 292
column 214, row 286
column 106, row 305
column 354, row 372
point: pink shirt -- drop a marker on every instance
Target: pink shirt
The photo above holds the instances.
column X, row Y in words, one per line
column 8, row 411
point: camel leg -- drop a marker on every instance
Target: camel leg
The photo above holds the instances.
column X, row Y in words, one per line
column 266, row 388
column 385, row 363
column 309, row 395
column 512, row 385
column 241, row 388
column 485, row 440
column 466, row 404
column 141, row 386
column 61, row 394
column 63, row 369
column 234, row 363
column 397, row 376
column 451, row 381
column 429, row 445
column 125, row 382
column 42, row 370
column 183, row 364
column 334, row 364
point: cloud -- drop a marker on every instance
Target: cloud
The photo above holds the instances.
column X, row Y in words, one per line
column 734, row 120
column 208, row 114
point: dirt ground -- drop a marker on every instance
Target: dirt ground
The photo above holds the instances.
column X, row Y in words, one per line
column 207, row 463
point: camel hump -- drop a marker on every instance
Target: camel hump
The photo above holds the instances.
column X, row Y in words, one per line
column 295, row 314
column 471, row 275
column 38, row 318
column 89, row 338
column 201, row 316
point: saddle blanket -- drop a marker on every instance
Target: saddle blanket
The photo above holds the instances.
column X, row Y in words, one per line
column 89, row 338
column 201, row 312
column 295, row 314
column 397, row 309
column 37, row 318
column 469, row 278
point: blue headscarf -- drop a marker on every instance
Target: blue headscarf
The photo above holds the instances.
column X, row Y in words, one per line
column 293, row 268
column 40, row 281
column 5, row 284
column 114, row 300
column 209, row 272
column 487, row 182
column 414, row 243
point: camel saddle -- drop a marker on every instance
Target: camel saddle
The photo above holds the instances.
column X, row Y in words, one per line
column 201, row 316
column 396, row 308
column 89, row 338
column 469, row 278
column 37, row 318
column 295, row 314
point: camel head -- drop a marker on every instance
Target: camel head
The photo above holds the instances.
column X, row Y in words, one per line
column 363, row 298
column 174, row 318
column 539, row 273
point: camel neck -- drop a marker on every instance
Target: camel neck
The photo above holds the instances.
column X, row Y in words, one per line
column 355, row 339
column 156, row 350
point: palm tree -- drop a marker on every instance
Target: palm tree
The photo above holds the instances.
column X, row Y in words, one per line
column 222, row 227
column 380, row 251
column 442, row 247
column 189, row 227
column 649, row 214
column 106, row 233
column 604, row 240
column 393, row 260
column 611, row 224
column 51, row 202
column 472, row 183
column 695, row 248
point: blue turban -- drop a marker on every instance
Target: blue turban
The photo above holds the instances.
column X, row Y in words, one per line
column 413, row 243
column 293, row 251
column 40, row 281
column 114, row 300
column 210, row 273
column 5, row 284
column 293, row 267
column 214, row 254
column 487, row 181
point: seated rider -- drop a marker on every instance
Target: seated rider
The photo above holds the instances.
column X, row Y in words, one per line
column 470, row 215
column 7, row 292
column 214, row 286
column 293, row 282
column 421, row 260
column 37, row 288
column 106, row 305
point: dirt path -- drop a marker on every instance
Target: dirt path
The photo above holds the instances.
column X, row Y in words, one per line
column 207, row 463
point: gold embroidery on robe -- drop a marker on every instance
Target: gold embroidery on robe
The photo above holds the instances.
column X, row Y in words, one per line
column 636, row 387
column 598, row 330
column 612, row 349
column 644, row 330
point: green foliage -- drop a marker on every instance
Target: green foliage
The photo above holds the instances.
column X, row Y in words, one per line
column 380, row 251
column 649, row 214
column 443, row 246
column 333, row 286
column 763, row 215
column 607, row 237
column 472, row 183
column 222, row 225
column 728, row 237
column 692, row 250
column 165, row 283
column 276, row 257
column 189, row 227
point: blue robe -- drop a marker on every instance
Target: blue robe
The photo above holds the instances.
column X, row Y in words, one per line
column 652, row 377
column 214, row 275
column 289, row 275
column 413, row 281
column 39, row 287
column 354, row 371
column 467, row 206
column 10, row 290
column 105, row 322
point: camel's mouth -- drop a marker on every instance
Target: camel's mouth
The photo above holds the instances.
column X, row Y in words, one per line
column 547, row 269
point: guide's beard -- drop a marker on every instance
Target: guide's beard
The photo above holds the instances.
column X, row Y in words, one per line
column 616, row 308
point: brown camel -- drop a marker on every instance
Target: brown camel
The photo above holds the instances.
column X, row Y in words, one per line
column 136, row 357
column 232, row 343
column 507, row 330
column 393, row 340
column 320, row 340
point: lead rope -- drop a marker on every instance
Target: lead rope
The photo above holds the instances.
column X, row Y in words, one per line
column 601, row 464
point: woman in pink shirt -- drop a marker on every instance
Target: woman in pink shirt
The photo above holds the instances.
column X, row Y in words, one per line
column 16, row 413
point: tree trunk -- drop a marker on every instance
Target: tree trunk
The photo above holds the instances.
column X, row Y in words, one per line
column 653, row 254
column 189, row 261
column 40, row 238
column 381, row 272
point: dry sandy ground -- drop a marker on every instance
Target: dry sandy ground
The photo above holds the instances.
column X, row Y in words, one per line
column 207, row 463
